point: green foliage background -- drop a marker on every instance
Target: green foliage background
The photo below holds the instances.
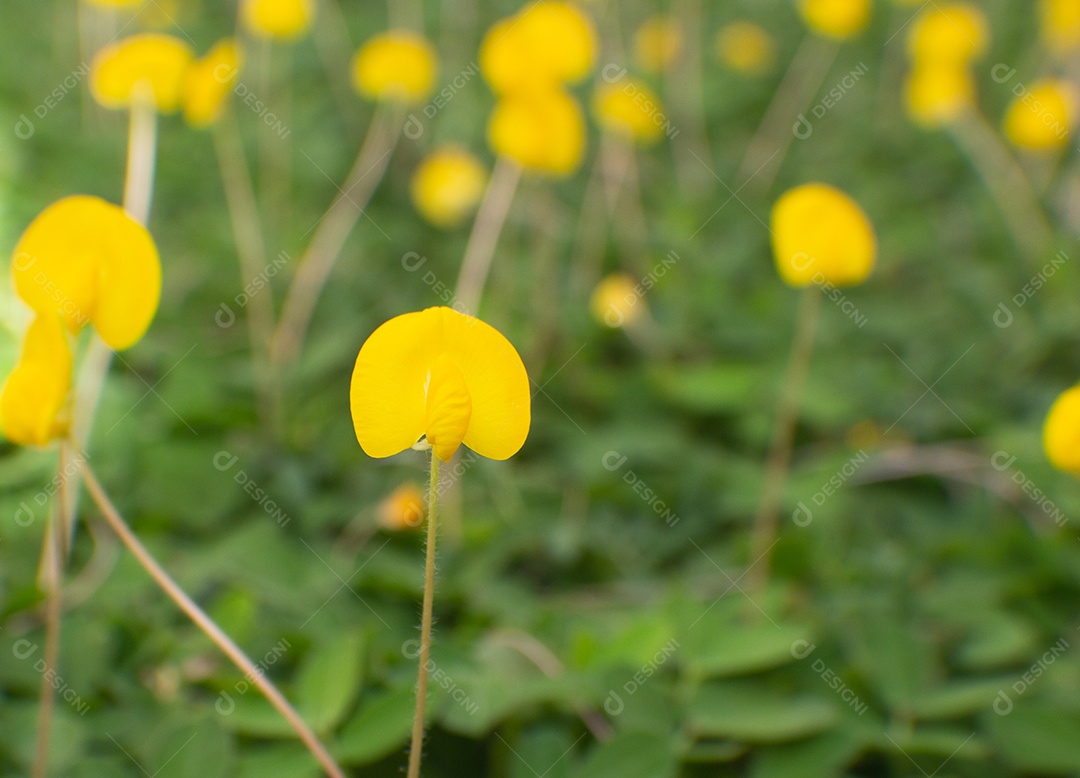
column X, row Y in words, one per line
column 926, row 595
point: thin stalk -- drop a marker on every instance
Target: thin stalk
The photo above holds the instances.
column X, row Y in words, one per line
column 684, row 88
column 1006, row 183
column 774, row 135
column 314, row 268
column 484, row 237
column 417, row 745
column 206, row 624
column 763, row 536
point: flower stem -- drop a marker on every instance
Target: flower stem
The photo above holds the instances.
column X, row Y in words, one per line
column 205, row 623
column 764, row 533
column 425, row 622
column 485, row 233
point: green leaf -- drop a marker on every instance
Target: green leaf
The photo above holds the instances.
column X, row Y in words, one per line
column 718, row 648
column 204, row 750
column 329, row 681
column 823, row 756
column 757, row 713
column 958, row 698
column 381, row 727
column 631, row 755
column 1038, row 738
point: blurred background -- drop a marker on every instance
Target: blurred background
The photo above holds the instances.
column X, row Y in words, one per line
column 597, row 610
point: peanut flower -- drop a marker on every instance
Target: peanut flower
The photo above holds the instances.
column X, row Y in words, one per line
column 442, row 375
column 541, row 131
column 448, row 185
column 145, row 66
column 1060, row 24
column 838, row 19
column 745, row 47
column 819, row 235
column 937, row 94
column 658, row 43
column 955, row 33
column 402, row 509
column 617, row 301
column 1061, row 432
column 398, row 66
column 542, row 46
column 282, row 19
column 208, row 82
column 1043, row 117
column 88, row 262
column 630, row 109
column 35, row 393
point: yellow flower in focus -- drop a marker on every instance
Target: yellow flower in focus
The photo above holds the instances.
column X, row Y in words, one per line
column 616, row 301
column 398, row 65
column 448, row 185
column 402, row 509
column 839, row 19
column 658, row 43
column 88, row 262
column 745, row 47
column 956, row 33
column 541, row 47
column 444, row 375
column 1060, row 24
column 629, row 108
column 277, row 18
column 208, row 81
column 36, row 391
column 820, row 235
column 1041, row 119
column 1061, row 432
column 541, row 131
column 147, row 66
column 937, row 95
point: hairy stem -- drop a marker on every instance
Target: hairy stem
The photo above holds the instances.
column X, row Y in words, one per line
column 417, row 746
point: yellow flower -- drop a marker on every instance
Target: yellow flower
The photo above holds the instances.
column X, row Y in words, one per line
column 36, row 391
column 629, row 108
column 1041, row 119
column 146, row 66
column 839, row 19
column 89, row 262
column 1060, row 24
column 541, row 131
column 745, row 47
column 820, row 235
column 938, row 94
column 402, row 509
column 398, row 65
column 444, row 375
column 277, row 18
column 544, row 45
column 954, row 33
column 448, row 185
column 208, row 81
column 658, row 43
column 616, row 301
column 1061, row 433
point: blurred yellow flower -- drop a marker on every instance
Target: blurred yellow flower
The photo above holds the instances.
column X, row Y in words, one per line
column 955, row 33
column 541, row 131
column 448, row 185
column 1061, row 432
column 88, row 262
column 839, row 19
column 208, row 81
column 937, row 94
column 820, row 235
column 146, row 66
column 1041, row 119
column 745, row 47
column 658, row 43
column 277, row 18
column 616, row 301
column 398, row 65
column 629, row 108
column 542, row 46
column 402, row 509
column 1060, row 24
column 444, row 375
column 36, row 391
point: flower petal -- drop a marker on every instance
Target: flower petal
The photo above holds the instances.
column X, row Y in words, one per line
column 449, row 407
column 129, row 280
column 37, row 389
column 156, row 60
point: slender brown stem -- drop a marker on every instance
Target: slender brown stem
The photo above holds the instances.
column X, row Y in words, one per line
column 763, row 537
column 314, row 268
column 417, row 746
column 485, row 233
column 235, row 654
